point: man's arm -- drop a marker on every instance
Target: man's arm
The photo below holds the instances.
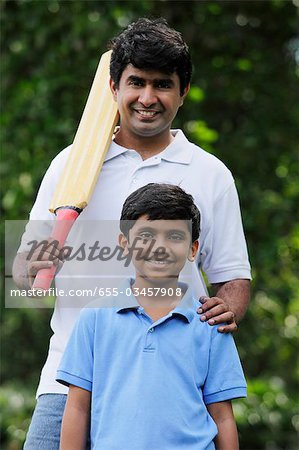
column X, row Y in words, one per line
column 229, row 304
column 76, row 420
column 222, row 414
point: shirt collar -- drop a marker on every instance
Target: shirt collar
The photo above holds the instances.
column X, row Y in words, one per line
column 184, row 309
column 114, row 150
column 178, row 151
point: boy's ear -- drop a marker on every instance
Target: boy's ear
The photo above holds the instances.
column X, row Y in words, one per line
column 123, row 243
column 193, row 250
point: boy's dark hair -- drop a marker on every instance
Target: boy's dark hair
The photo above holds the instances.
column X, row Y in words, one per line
column 160, row 202
column 150, row 44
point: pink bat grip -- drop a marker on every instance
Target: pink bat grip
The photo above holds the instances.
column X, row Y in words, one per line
column 64, row 222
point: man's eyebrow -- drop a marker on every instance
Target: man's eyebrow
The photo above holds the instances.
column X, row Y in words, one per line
column 135, row 78
column 156, row 81
column 163, row 80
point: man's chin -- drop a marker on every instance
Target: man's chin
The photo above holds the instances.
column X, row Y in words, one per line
column 148, row 130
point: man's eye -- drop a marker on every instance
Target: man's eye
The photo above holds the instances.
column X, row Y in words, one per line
column 135, row 83
column 163, row 85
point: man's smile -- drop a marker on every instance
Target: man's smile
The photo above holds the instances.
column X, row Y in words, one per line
column 147, row 113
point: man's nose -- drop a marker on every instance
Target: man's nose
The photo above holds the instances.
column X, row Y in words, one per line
column 148, row 96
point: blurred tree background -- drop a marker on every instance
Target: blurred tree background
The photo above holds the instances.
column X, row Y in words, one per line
column 243, row 107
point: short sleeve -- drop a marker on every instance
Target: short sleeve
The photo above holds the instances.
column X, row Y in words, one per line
column 225, row 379
column 39, row 226
column 76, row 366
column 224, row 250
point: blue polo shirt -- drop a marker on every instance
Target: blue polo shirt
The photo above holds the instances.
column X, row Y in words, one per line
column 151, row 381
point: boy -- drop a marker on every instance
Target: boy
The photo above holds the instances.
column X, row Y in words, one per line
column 147, row 372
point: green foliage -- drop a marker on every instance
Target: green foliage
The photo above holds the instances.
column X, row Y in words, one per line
column 243, row 107
column 16, row 403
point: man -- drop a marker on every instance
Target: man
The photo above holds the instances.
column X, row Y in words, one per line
column 150, row 78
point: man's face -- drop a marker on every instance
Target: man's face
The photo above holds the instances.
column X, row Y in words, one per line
column 159, row 248
column 147, row 100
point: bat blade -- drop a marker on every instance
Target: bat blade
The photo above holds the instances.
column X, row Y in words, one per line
column 85, row 161
column 90, row 145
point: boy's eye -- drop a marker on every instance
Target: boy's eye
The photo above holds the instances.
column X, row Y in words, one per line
column 145, row 235
column 176, row 237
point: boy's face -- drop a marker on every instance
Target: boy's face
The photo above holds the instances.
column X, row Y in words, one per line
column 159, row 248
column 147, row 100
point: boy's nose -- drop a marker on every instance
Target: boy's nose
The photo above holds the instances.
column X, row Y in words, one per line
column 159, row 249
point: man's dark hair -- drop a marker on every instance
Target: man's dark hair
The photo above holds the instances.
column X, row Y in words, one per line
column 150, row 44
column 160, row 202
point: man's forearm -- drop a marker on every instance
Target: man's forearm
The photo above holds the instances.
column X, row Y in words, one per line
column 236, row 293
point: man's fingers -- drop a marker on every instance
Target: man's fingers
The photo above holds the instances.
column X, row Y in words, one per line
column 34, row 267
column 229, row 328
column 49, row 251
column 228, row 317
column 47, row 255
column 209, row 303
column 214, row 312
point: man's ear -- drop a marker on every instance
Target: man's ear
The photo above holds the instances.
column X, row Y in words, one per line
column 113, row 88
column 186, row 90
column 123, row 243
column 193, row 250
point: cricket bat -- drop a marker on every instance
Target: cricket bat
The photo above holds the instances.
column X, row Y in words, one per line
column 85, row 161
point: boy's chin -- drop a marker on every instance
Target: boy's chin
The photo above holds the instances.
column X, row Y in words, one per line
column 158, row 279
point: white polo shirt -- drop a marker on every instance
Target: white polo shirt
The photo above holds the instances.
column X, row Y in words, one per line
column 223, row 253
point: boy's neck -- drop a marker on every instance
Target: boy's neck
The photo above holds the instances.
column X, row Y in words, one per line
column 157, row 297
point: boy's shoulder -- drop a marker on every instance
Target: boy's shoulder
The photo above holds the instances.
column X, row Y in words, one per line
column 208, row 330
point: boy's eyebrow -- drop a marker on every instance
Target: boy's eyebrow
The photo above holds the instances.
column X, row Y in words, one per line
column 149, row 228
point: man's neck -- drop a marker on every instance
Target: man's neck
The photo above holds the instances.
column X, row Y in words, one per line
column 145, row 146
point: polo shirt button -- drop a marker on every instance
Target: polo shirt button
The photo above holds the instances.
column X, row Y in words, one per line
column 151, row 330
column 134, row 180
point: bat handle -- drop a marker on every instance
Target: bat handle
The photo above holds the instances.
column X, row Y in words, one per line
column 65, row 217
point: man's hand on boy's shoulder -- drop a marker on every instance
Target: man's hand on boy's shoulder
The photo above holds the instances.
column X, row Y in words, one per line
column 229, row 305
column 215, row 310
